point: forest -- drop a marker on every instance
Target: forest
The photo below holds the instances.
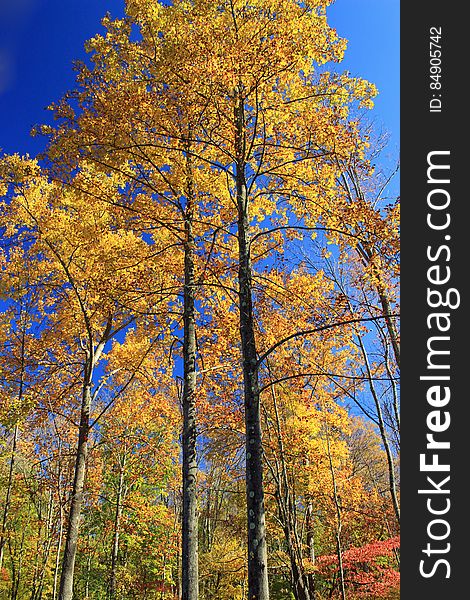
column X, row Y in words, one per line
column 199, row 333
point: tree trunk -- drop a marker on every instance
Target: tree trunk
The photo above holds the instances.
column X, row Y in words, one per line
column 37, row 590
column 257, row 552
column 34, row 582
column 88, row 571
column 11, row 470
column 16, row 573
column 310, row 545
column 70, row 551
column 287, row 516
column 383, row 433
column 189, row 561
column 392, row 330
column 299, row 581
column 117, row 524
column 339, row 520
column 6, row 508
column 59, row 549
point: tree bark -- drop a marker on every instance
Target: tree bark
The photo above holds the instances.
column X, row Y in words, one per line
column 287, row 516
column 58, row 550
column 257, row 552
column 117, row 524
column 383, row 433
column 339, row 520
column 6, row 508
column 70, row 551
column 189, row 561
column 11, row 470
column 16, row 571
column 309, row 521
column 37, row 590
column 92, row 356
column 392, row 330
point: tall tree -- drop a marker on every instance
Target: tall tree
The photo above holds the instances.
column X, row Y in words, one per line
column 266, row 123
column 93, row 290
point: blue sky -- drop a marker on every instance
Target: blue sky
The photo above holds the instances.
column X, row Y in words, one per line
column 39, row 39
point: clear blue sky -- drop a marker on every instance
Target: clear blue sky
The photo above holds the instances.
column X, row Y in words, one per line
column 39, row 39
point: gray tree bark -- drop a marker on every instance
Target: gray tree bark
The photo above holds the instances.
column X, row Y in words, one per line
column 116, row 533
column 189, row 559
column 309, row 522
column 58, row 550
column 302, row 587
column 257, row 551
column 339, row 520
column 70, row 550
column 92, row 356
column 6, row 508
